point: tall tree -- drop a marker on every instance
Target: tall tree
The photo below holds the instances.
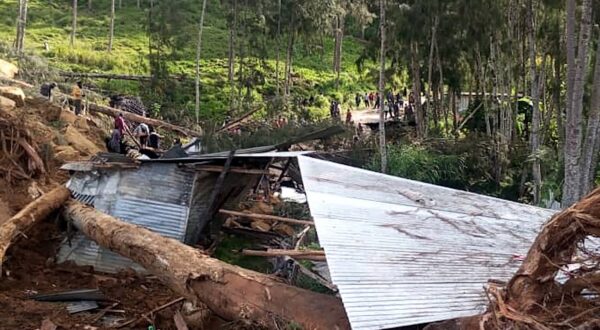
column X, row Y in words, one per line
column 382, row 143
column 198, row 51
column 577, row 60
column 21, row 24
column 535, row 122
column 278, row 47
column 89, row 5
column 74, row 23
column 111, row 33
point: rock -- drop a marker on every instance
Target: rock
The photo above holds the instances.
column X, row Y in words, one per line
column 7, row 104
column 52, row 112
column 260, row 225
column 68, row 117
column 14, row 93
column 66, row 154
column 8, row 70
column 80, row 142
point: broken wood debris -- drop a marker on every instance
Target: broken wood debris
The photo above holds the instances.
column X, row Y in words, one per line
column 179, row 321
column 103, row 312
column 35, row 211
column 266, row 217
column 314, row 276
column 148, row 314
column 298, row 254
column 231, row 292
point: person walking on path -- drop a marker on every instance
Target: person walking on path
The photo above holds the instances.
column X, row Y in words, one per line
column 77, row 96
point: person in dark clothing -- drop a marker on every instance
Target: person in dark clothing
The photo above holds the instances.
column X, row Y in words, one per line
column 46, row 89
column 153, row 139
column 377, row 102
column 397, row 109
column 357, row 99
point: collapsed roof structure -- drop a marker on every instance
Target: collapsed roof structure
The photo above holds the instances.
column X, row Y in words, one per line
column 400, row 252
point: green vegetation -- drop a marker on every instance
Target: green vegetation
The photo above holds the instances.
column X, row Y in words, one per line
column 50, row 24
column 230, row 251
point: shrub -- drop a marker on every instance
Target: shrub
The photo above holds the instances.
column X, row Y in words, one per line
column 418, row 163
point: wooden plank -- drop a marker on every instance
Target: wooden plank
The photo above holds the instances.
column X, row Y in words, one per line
column 266, row 217
column 298, row 254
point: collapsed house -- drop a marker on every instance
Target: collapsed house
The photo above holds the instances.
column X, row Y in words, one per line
column 400, row 252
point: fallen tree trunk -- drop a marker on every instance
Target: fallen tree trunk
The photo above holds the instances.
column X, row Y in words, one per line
column 35, row 211
column 267, row 217
column 231, row 292
column 115, row 76
column 92, row 107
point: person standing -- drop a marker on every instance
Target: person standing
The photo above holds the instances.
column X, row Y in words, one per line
column 153, row 139
column 117, row 134
column 142, row 131
column 77, row 95
column 348, row 117
column 357, row 99
column 46, row 90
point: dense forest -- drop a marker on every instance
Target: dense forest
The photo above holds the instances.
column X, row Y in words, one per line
column 529, row 68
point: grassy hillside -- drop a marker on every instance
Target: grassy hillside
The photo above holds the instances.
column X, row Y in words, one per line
column 49, row 22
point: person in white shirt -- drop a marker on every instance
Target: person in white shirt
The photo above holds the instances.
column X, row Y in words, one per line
column 142, row 132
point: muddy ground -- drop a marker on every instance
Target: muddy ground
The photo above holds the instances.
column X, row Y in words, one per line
column 29, row 266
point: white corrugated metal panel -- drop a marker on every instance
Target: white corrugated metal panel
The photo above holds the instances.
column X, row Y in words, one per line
column 403, row 252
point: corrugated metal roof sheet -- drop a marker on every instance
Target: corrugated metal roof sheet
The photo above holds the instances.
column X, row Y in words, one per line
column 156, row 197
column 403, row 252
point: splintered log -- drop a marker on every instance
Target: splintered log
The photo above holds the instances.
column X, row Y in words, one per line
column 298, row 254
column 231, row 292
column 267, row 217
column 37, row 210
column 92, row 107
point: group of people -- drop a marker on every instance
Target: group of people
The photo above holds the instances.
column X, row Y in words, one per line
column 393, row 105
column 76, row 95
column 145, row 134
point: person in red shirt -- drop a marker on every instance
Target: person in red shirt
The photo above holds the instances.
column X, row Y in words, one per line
column 117, row 135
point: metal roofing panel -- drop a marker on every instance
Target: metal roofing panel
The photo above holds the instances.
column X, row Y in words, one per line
column 403, row 252
column 157, row 197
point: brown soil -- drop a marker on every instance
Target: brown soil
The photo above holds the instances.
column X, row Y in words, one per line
column 29, row 265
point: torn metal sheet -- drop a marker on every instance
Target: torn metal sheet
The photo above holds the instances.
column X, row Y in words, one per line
column 403, row 252
column 157, row 197
column 81, row 306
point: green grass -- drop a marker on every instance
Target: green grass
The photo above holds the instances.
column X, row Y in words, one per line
column 230, row 251
column 51, row 23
